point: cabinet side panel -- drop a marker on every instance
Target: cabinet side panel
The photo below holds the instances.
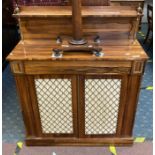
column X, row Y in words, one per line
column 25, row 102
column 131, row 105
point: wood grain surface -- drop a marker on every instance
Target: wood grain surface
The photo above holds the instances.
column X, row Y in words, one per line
column 87, row 11
column 42, row 50
column 107, row 28
column 123, row 58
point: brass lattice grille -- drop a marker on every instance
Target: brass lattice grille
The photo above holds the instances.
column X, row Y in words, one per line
column 102, row 97
column 55, row 105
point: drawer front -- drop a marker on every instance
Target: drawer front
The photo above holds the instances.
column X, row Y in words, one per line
column 71, row 67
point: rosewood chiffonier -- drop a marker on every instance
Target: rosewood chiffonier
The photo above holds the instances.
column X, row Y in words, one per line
column 78, row 97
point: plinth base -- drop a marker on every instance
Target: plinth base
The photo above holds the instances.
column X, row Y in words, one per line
column 117, row 141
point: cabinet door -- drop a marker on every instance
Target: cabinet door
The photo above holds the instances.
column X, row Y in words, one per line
column 101, row 106
column 54, row 103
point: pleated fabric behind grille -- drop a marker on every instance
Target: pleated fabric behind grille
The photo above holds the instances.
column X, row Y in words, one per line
column 102, row 97
column 55, row 105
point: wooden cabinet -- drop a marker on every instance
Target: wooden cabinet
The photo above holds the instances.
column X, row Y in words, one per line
column 78, row 102
column 78, row 105
column 79, row 98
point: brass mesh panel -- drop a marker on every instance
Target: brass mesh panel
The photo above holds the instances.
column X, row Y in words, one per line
column 55, row 105
column 102, row 98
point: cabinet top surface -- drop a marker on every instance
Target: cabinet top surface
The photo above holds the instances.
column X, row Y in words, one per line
column 42, row 50
column 87, row 11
